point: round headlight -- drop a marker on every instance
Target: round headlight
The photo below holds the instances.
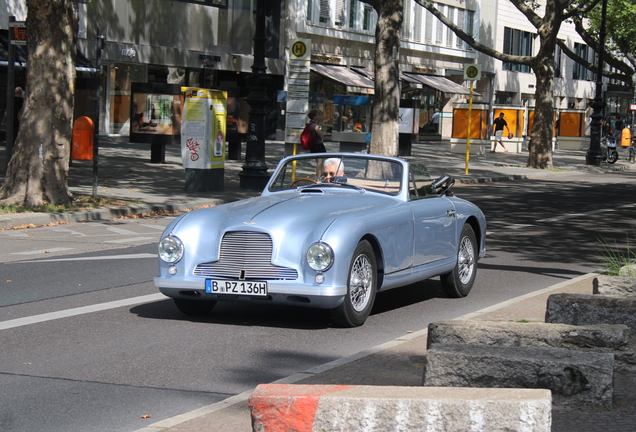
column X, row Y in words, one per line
column 320, row 256
column 170, row 249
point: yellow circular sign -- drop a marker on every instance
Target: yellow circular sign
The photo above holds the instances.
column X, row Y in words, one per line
column 472, row 71
column 299, row 49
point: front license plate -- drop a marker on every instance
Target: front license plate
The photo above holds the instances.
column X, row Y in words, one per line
column 250, row 288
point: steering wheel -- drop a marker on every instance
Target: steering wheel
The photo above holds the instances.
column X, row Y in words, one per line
column 303, row 179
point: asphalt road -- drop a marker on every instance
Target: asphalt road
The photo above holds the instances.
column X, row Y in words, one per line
column 88, row 343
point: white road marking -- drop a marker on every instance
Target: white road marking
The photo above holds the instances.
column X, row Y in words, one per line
column 95, row 258
column 20, row 322
column 575, row 215
column 518, row 226
column 41, row 251
column 66, row 230
column 129, row 240
column 157, row 227
column 112, row 228
column 16, row 233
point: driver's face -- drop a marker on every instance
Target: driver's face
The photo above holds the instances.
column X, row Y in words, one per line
column 331, row 171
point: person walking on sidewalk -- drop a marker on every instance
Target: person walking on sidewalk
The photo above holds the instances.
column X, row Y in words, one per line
column 499, row 125
column 316, row 133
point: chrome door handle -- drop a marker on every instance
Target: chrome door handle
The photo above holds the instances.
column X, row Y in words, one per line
column 451, row 213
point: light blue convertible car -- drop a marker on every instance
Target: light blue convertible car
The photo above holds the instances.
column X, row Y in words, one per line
column 329, row 231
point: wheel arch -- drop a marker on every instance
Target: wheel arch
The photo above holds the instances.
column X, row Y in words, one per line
column 474, row 224
column 379, row 257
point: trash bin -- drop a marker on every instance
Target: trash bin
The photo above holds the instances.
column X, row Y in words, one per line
column 626, row 137
column 82, row 143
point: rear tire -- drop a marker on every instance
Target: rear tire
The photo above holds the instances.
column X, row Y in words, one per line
column 459, row 282
column 361, row 288
column 194, row 307
column 631, row 154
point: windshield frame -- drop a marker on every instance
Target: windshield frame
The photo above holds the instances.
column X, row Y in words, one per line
column 356, row 169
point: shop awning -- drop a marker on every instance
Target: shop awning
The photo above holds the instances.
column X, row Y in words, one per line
column 441, row 83
column 354, row 81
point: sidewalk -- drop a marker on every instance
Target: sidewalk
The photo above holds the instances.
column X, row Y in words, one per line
column 125, row 172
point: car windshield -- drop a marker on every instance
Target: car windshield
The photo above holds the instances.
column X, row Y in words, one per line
column 375, row 175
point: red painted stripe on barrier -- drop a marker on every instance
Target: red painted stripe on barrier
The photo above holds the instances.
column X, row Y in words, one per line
column 288, row 407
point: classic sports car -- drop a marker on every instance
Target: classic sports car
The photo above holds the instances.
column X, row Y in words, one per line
column 329, row 231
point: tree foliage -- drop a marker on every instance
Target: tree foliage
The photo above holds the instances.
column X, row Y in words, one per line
column 620, row 45
column 38, row 170
column 547, row 25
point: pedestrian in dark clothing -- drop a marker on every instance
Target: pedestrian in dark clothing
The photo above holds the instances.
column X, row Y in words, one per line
column 499, row 125
column 316, row 133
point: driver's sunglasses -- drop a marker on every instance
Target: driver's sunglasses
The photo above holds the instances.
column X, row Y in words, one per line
column 329, row 174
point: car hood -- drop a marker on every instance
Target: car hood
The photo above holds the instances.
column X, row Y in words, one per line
column 295, row 210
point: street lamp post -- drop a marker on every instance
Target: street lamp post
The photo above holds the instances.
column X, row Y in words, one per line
column 594, row 156
column 254, row 175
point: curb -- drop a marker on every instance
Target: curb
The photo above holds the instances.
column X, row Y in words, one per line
column 25, row 220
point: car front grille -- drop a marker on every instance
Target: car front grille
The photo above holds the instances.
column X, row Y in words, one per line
column 245, row 255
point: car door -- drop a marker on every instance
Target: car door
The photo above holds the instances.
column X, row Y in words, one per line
column 434, row 223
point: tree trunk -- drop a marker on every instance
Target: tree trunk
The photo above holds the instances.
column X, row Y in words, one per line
column 540, row 153
column 384, row 139
column 38, row 170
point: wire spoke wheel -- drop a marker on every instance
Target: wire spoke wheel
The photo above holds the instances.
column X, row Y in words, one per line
column 360, row 282
column 361, row 287
column 466, row 260
column 459, row 282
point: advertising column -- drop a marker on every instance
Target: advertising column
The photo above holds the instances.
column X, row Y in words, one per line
column 203, row 134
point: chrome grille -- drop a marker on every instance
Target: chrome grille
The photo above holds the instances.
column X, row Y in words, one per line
column 245, row 255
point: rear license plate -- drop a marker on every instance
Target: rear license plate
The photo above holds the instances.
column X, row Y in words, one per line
column 249, row 288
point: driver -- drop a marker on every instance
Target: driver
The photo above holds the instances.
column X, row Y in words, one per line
column 333, row 167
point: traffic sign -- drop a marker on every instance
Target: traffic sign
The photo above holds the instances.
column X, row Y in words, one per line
column 472, row 72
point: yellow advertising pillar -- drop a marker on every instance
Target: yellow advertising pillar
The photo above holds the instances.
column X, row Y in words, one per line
column 203, row 137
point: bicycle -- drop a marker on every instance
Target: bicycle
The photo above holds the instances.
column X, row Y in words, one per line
column 631, row 151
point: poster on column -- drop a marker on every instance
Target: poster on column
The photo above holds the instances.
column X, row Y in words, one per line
column 203, row 131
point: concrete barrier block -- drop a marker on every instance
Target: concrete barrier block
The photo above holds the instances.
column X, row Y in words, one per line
column 334, row 408
column 581, row 309
column 614, row 286
column 576, row 379
column 606, row 338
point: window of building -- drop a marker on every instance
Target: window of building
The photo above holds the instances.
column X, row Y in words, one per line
column 353, row 12
column 504, row 98
column 579, row 72
column 558, row 59
column 366, row 20
column 519, row 43
column 218, row 3
column 324, row 12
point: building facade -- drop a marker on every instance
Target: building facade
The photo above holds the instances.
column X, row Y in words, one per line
column 208, row 43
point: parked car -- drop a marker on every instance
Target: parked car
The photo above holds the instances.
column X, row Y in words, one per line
column 328, row 231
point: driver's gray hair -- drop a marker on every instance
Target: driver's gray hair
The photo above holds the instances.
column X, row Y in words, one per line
column 334, row 161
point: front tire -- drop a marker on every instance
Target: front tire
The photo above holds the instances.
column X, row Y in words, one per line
column 459, row 282
column 361, row 288
column 194, row 307
column 612, row 156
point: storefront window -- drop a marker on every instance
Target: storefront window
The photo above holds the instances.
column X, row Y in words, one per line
column 430, row 111
column 121, row 77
